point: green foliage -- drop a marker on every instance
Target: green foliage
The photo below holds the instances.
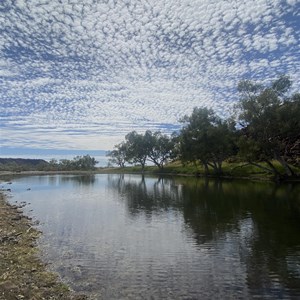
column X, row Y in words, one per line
column 160, row 148
column 206, row 138
column 138, row 148
column 270, row 119
column 85, row 162
column 118, row 155
column 78, row 163
column 20, row 164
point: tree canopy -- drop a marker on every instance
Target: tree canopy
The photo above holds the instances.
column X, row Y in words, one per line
column 265, row 129
column 270, row 120
column 206, row 138
column 140, row 148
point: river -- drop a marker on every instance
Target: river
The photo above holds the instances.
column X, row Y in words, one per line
column 134, row 237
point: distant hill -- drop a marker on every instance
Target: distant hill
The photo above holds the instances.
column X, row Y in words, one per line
column 22, row 164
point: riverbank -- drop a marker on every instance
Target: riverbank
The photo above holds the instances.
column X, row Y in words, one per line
column 231, row 170
column 23, row 275
column 259, row 176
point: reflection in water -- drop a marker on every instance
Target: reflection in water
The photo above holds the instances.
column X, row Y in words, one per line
column 265, row 218
column 136, row 237
column 147, row 196
column 79, row 179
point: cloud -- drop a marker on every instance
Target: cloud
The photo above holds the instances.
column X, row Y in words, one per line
column 115, row 66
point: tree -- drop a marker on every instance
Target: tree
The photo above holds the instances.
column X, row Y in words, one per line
column 65, row 164
column 160, row 148
column 137, row 148
column 85, row 162
column 118, row 155
column 269, row 118
column 206, row 138
column 53, row 164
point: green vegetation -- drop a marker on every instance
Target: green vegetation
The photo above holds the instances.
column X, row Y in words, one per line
column 19, row 164
column 263, row 138
column 230, row 170
column 271, row 122
column 78, row 163
column 206, row 139
column 81, row 163
column 138, row 148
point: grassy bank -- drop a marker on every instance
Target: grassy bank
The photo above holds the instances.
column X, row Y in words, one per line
column 230, row 170
column 238, row 170
column 22, row 274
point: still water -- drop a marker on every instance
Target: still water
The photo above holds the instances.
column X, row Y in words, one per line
column 134, row 237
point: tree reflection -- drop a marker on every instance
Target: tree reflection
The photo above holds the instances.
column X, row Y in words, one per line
column 79, row 179
column 262, row 218
column 146, row 196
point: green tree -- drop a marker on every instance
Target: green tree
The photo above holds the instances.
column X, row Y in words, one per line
column 207, row 139
column 269, row 117
column 137, row 148
column 65, row 164
column 118, row 155
column 85, row 162
column 160, row 148
column 53, row 164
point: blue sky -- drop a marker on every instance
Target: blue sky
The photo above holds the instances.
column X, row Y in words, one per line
column 80, row 74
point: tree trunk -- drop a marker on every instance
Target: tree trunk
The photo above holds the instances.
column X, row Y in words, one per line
column 275, row 171
column 272, row 167
column 288, row 171
column 206, row 170
column 220, row 167
column 217, row 168
column 262, row 167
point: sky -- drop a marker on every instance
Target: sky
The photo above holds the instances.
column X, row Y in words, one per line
column 81, row 74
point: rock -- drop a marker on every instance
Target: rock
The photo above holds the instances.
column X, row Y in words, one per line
column 8, row 286
column 16, row 218
column 79, row 297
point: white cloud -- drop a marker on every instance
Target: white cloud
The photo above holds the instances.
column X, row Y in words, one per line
column 128, row 65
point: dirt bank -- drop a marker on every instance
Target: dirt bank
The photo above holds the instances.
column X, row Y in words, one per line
column 22, row 274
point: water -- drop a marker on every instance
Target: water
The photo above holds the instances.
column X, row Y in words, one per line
column 134, row 237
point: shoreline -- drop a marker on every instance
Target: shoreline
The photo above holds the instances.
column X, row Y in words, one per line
column 24, row 275
column 250, row 177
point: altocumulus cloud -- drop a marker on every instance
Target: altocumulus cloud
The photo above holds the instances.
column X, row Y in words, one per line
column 82, row 73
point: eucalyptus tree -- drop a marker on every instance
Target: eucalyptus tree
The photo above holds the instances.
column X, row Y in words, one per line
column 85, row 162
column 269, row 117
column 160, row 148
column 118, row 155
column 206, row 138
column 137, row 148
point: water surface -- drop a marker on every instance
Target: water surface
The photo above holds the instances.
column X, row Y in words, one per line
column 134, row 237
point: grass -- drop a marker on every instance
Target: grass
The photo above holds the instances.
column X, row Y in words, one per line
column 230, row 169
